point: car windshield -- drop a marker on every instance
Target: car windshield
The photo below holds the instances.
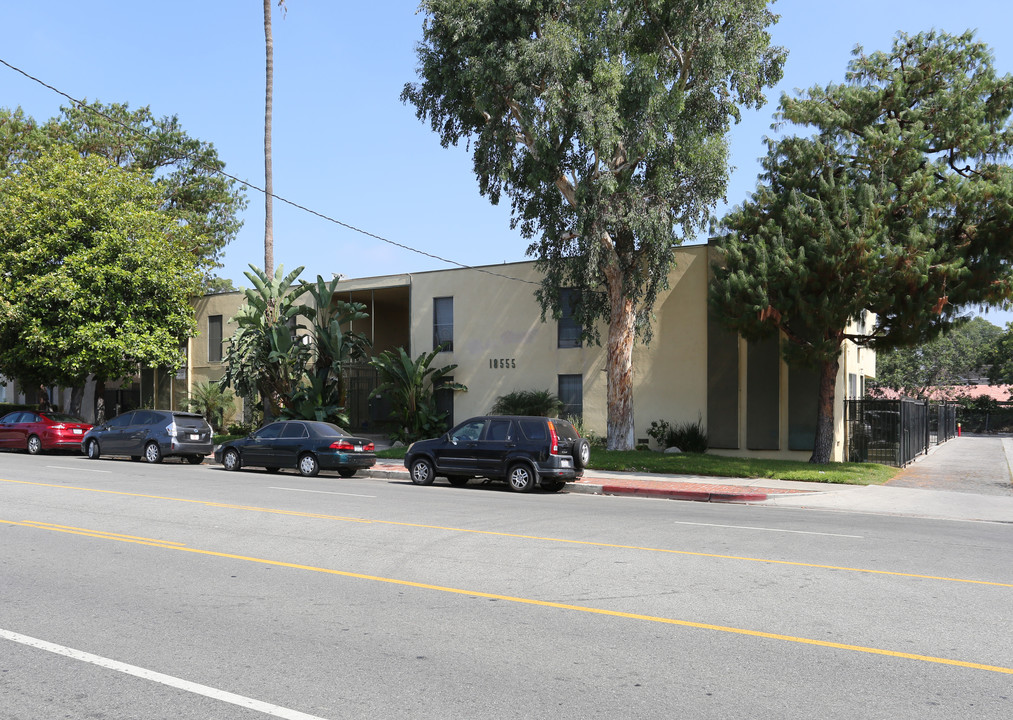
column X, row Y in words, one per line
column 325, row 429
column 564, row 429
column 64, row 417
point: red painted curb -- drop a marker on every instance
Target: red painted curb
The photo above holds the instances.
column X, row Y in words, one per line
column 693, row 495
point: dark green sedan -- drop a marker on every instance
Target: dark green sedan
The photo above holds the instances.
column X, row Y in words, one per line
column 306, row 445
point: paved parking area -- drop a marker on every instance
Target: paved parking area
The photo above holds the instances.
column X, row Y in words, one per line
column 969, row 464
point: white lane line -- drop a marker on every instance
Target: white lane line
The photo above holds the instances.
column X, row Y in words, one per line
column 78, row 469
column 748, row 527
column 321, row 492
column 153, row 676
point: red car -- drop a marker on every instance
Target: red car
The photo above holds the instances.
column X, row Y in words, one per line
column 38, row 431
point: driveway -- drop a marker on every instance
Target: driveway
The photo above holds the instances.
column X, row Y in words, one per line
column 969, row 464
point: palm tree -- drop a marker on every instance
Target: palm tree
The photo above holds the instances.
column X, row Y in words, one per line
column 268, row 114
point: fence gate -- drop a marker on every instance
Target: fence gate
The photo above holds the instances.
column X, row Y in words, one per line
column 895, row 432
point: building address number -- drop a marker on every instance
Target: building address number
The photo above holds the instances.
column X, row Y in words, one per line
column 502, row 363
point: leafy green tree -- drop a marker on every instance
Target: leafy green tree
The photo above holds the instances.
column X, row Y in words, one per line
column 95, row 276
column 605, row 124
column 1000, row 358
column 185, row 170
column 898, row 204
column 411, row 385
column 964, row 352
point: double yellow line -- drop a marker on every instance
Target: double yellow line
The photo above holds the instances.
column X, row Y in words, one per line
column 180, row 547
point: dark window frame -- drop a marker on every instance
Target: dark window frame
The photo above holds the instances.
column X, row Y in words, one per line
column 215, row 335
column 443, row 323
column 569, row 332
column 573, row 404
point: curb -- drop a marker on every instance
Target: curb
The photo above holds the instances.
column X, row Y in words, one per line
column 606, row 488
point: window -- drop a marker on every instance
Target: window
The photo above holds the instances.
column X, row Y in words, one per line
column 468, row 432
column 270, row 431
column 294, row 430
column 568, row 330
column 215, row 338
column 444, row 398
column 499, row 431
column 852, row 385
column 571, row 394
column 443, row 323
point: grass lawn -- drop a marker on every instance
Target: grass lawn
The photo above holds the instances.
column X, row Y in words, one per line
column 720, row 466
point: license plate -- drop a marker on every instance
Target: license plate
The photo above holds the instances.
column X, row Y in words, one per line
column 194, row 436
column 358, row 448
column 565, row 463
column 78, row 431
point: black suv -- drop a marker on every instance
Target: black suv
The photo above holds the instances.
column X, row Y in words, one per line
column 524, row 451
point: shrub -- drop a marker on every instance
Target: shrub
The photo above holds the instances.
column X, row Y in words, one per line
column 687, row 436
column 528, row 402
column 241, row 429
column 593, row 439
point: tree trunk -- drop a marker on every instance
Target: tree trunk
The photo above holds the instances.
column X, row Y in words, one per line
column 824, row 443
column 76, row 400
column 268, row 172
column 44, row 404
column 619, row 366
column 100, row 401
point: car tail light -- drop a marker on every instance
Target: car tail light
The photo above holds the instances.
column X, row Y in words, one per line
column 554, row 439
column 171, row 429
column 368, row 447
column 59, row 426
column 342, row 445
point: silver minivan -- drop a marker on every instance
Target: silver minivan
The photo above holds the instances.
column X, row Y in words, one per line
column 152, row 435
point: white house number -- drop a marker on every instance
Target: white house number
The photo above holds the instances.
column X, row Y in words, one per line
column 502, row 363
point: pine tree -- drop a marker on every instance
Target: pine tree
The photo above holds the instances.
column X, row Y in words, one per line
column 899, row 204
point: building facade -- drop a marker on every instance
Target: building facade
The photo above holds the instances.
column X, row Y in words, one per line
column 488, row 323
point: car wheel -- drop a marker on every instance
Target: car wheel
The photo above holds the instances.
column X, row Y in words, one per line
column 308, row 465
column 230, row 459
column 422, row 472
column 152, row 453
column 34, row 445
column 521, row 478
column 346, row 472
column 581, row 453
column 554, row 487
column 195, row 459
column 457, row 480
column 92, row 450
column 272, row 470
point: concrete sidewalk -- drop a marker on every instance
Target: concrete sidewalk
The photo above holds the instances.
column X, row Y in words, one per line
column 888, row 500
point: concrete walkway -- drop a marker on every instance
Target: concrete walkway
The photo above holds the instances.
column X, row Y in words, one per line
column 967, row 478
column 977, row 464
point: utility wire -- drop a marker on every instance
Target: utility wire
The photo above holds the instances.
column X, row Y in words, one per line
column 83, row 105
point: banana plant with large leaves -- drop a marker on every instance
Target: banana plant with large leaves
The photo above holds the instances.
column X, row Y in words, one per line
column 412, row 385
column 264, row 356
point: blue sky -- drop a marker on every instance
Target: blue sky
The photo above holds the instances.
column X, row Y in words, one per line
column 344, row 145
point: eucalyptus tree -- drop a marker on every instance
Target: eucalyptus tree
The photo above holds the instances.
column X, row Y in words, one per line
column 604, row 121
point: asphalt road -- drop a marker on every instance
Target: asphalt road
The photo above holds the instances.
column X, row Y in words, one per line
column 175, row 591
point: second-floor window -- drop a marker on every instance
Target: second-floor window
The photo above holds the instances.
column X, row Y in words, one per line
column 215, row 338
column 443, row 323
column 568, row 330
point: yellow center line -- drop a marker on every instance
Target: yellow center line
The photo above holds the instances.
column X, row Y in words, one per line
column 527, row 601
column 517, row 536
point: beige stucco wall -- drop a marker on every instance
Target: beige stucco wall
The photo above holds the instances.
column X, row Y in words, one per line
column 496, row 319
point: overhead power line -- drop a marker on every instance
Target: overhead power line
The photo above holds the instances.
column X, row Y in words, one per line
column 83, row 105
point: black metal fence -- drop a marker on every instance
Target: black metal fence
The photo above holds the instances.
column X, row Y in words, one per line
column 895, row 432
